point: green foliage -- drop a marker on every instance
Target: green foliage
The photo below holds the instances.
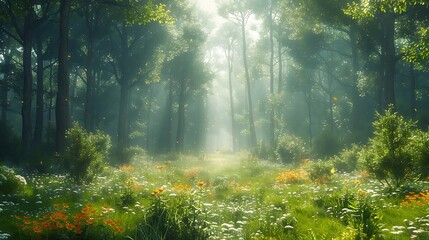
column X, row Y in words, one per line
column 9, row 182
column 388, row 154
column 290, row 149
column 326, row 144
column 347, row 159
column 179, row 218
column 364, row 218
column 137, row 12
column 370, row 8
column 85, row 153
column 262, row 151
column 354, row 207
column 420, row 150
column 9, row 144
column 417, row 52
column 320, row 171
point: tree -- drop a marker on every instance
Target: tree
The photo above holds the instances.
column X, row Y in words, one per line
column 229, row 42
column 135, row 17
column 238, row 13
column 62, row 102
column 21, row 16
column 386, row 12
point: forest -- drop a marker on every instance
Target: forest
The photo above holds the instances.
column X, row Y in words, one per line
column 214, row 119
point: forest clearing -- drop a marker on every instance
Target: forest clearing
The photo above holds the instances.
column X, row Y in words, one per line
column 214, row 119
column 218, row 196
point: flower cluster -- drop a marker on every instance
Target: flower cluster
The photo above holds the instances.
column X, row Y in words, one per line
column 416, row 199
column 192, row 173
column 62, row 221
column 126, row 168
column 292, row 176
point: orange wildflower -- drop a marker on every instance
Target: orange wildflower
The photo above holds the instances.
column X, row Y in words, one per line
column 157, row 191
column 70, row 226
column 160, row 167
column 60, row 225
column 201, row 184
column 78, row 230
column 37, row 229
column 90, row 221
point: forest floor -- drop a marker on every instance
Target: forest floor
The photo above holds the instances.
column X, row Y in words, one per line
column 214, row 196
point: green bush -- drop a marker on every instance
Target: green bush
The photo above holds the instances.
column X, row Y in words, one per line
column 389, row 154
column 10, row 146
column 10, row 182
column 85, row 153
column 290, row 149
column 420, row 152
column 347, row 159
column 326, row 144
column 320, row 171
column 262, row 151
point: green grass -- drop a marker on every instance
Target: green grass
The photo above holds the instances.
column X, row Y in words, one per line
column 218, row 196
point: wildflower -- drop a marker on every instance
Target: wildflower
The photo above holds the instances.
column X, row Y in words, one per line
column 90, row 221
column 332, row 170
column 60, row 225
column 201, row 184
column 70, row 226
column 357, row 182
column 360, row 192
column 37, row 229
column 157, row 191
column 346, row 182
column 160, row 167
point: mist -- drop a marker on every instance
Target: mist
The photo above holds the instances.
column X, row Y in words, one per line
column 214, row 119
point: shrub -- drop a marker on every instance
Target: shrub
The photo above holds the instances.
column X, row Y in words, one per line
column 9, row 182
column 290, row 149
column 326, row 144
column 320, row 171
column 85, row 153
column 9, row 144
column 389, row 153
column 262, row 151
column 420, row 151
column 347, row 159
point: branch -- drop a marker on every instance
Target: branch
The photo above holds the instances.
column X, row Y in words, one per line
column 3, row 29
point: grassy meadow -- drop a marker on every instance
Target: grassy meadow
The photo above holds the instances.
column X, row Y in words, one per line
column 215, row 196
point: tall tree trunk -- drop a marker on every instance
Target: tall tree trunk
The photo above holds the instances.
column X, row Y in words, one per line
column 27, row 88
column 412, row 92
column 149, row 142
column 38, row 129
column 62, row 102
column 49, row 137
column 123, row 117
column 356, row 116
column 90, row 81
column 310, row 120
column 229, row 56
column 180, row 134
column 280, row 56
column 253, row 141
column 167, row 144
column 124, row 94
column 272, row 126
column 5, row 88
column 390, row 58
